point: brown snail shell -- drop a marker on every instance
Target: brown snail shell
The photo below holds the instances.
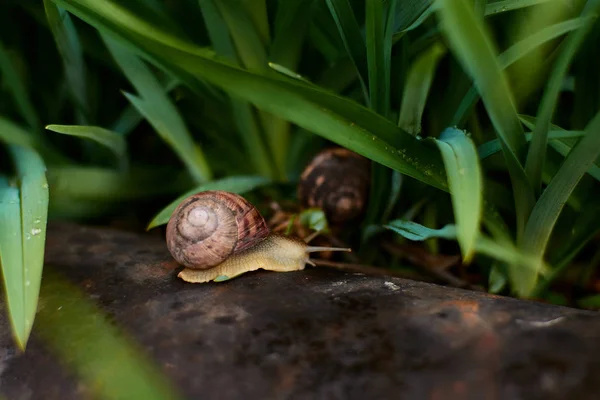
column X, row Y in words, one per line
column 337, row 181
column 208, row 227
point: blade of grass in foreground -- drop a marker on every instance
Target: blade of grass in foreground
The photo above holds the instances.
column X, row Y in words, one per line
column 466, row 186
column 234, row 184
column 11, row 260
column 111, row 140
column 472, row 46
column 27, row 236
column 500, row 6
column 568, row 49
column 110, row 364
column 160, row 111
column 548, row 208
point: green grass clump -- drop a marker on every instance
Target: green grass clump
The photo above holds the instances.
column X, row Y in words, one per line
column 481, row 120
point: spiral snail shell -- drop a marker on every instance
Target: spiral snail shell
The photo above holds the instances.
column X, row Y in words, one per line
column 218, row 235
column 336, row 181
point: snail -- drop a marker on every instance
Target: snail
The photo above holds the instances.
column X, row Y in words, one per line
column 337, row 181
column 218, row 235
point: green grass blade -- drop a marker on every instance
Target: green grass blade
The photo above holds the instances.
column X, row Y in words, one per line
column 568, row 49
column 470, row 43
column 109, row 139
column 31, row 175
column 13, row 80
column 351, row 35
column 550, row 204
column 416, row 88
column 516, row 52
column 244, row 117
column 11, row 261
column 291, row 26
column 493, row 146
column 248, row 43
column 67, row 42
column 110, row 364
column 466, row 186
column 501, row 6
column 160, row 111
column 235, row 184
column 377, row 57
column 333, row 117
column 259, row 15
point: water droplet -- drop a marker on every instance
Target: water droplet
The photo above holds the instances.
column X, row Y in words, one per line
column 45, row 186
column 36, row 231
column 27, row 236
column 27, row 283
column 59, row 308
column 37, row 221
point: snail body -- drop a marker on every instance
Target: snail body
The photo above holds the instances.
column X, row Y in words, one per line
column 218, row 235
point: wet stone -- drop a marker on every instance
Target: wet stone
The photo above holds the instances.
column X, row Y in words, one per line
column 313, row 334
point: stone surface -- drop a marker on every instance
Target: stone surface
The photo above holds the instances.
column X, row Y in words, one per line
column 313, row 334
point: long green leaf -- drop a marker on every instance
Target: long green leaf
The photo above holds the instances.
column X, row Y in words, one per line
column 67, row 42
column 378, row 69
column 470, row 42
column 568, row 49
column 160, row 111
column 519, row 50
column 291, row 26
column 548, row 208
column 111, row 140
column 235, row 184
column 245, row 120
column 484, row 245
column 416, row 89
column 351, row 35
column 333, row 117
column 11, row 260
column 14, row 81
column 466, row 186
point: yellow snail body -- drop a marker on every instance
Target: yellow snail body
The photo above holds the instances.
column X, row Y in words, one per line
column 218, row 235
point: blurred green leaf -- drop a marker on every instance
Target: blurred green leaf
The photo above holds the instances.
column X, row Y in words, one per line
column 160, row 111
column 244, row 117
column 111, row 364
column 466, row 186
column 516, row 52
column 67, row 42
column 545, row 213
column 493, row 146
column 14, row 80
column 12, row 133
column 234, row 184
column 416, row 89
column 354, row 42
column 290, row 29
column 568, row 49
column 591, row 301
column 111, row 140
column 314, row 219
column 472, row 46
